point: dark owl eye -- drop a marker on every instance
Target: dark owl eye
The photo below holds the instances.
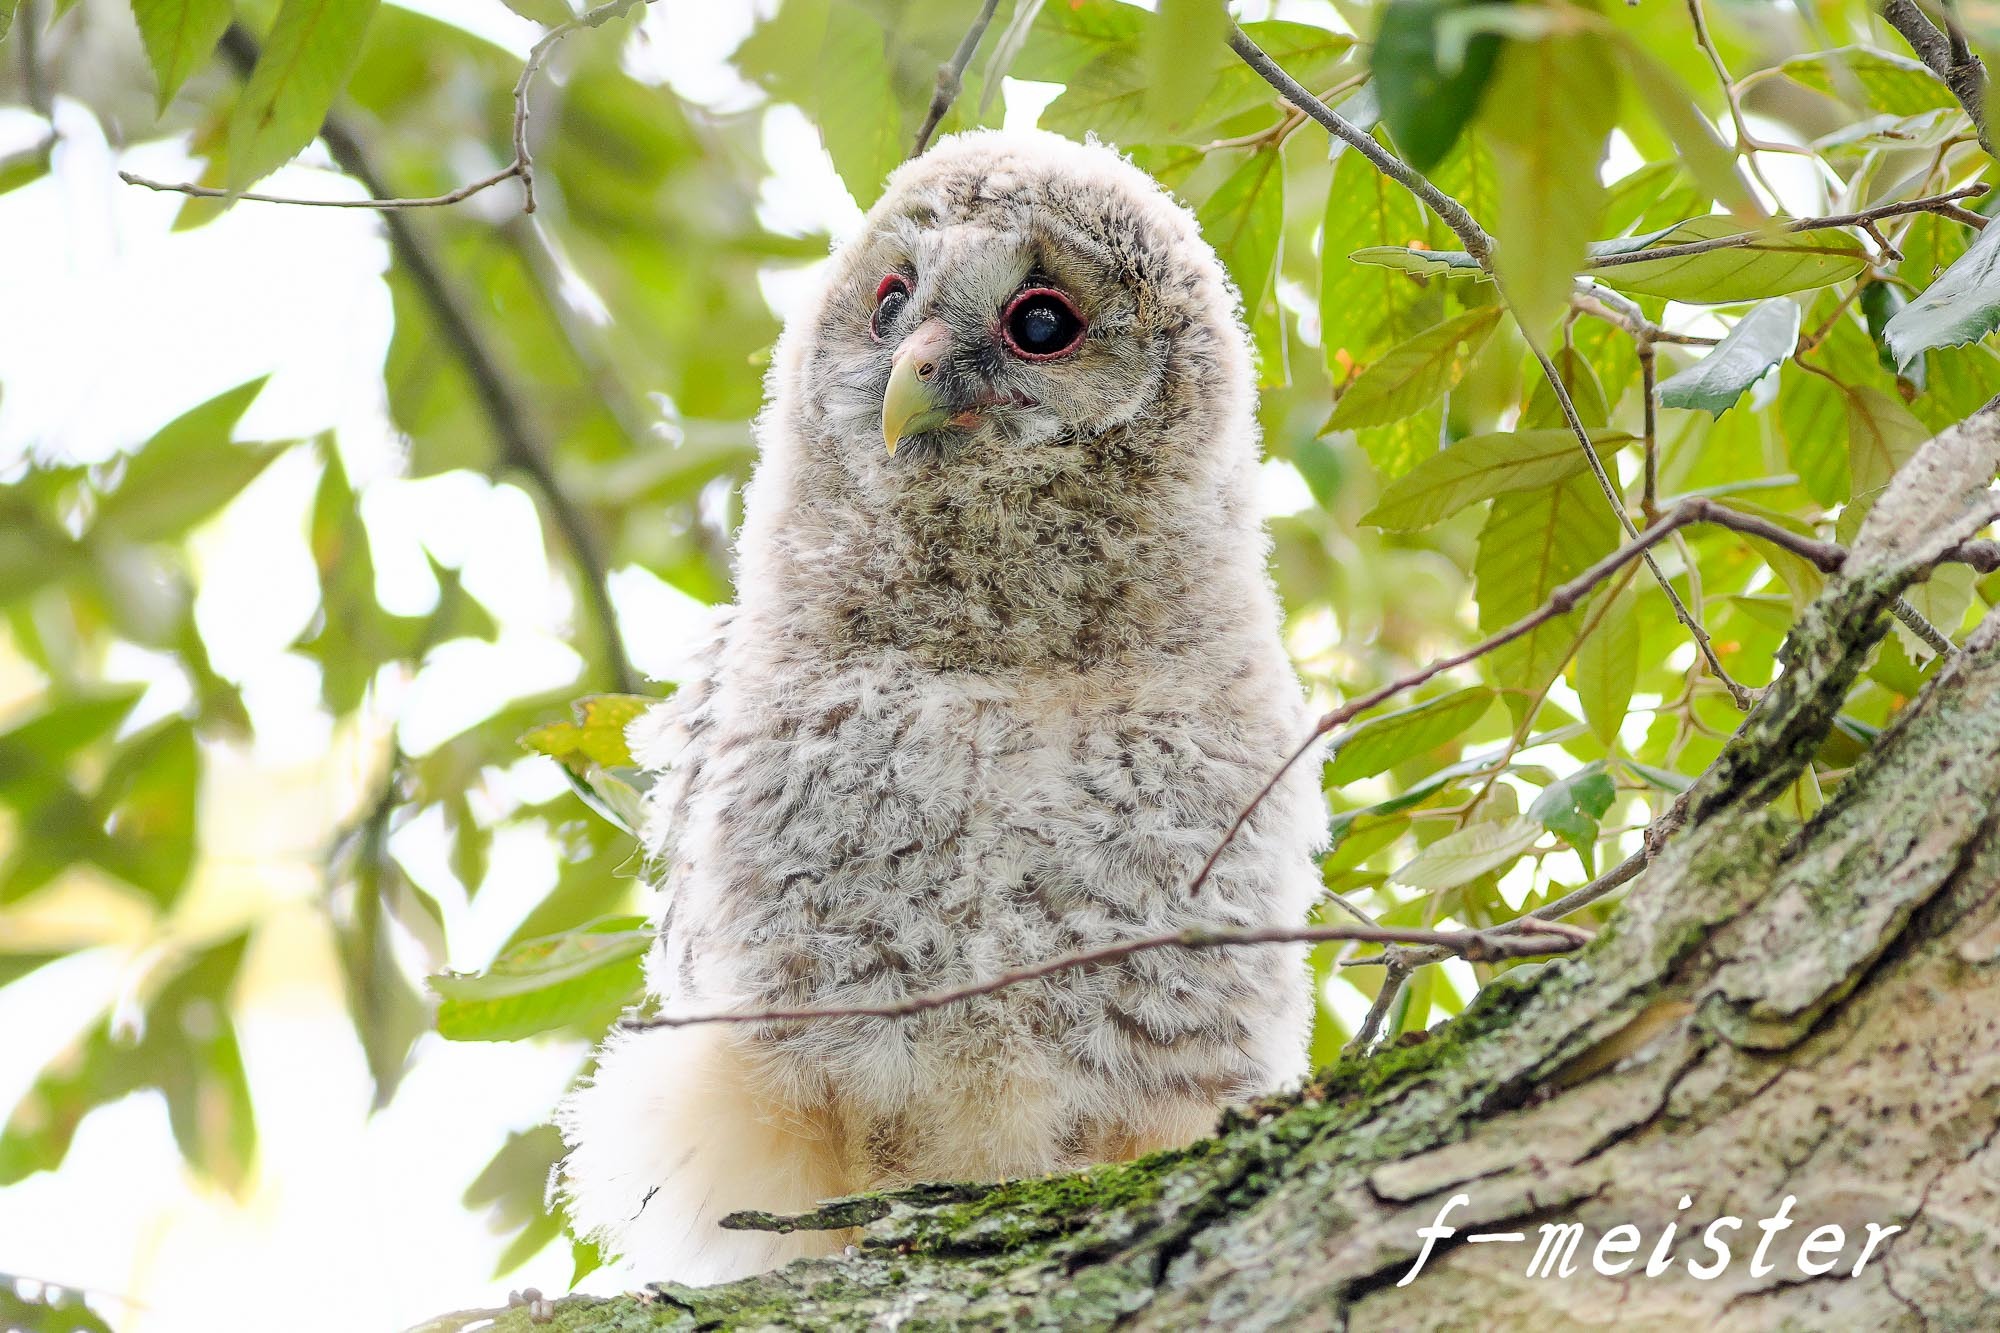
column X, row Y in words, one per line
column 891, row 295
column 1041, row 324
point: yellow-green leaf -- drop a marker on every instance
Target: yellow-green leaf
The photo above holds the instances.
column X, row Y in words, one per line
column 179, row 35
column 1478, row 468
column 1547, row 118
column 1458, row 858
column 1773, row 264
column 311, row 50
column 1607, row 665
column 582, row 977
column 1411, row 376
column 1382, row 742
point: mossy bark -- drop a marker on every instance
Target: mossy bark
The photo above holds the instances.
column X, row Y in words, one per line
column 1775, row 1011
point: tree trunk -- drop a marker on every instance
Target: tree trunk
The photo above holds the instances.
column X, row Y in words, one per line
column 1776, row 1011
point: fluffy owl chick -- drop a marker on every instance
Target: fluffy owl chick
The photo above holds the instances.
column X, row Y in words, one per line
column 990, row 694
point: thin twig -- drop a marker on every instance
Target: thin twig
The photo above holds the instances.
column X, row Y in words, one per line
column 522, row 167
column 1760, row 239
column 1394, row 979
column 1747, row 144
column 1474, row 945
column 951, row 76
column 1649, row 494
column 509, row 418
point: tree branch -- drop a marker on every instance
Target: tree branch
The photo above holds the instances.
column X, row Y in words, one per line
column 951, row 76
column 1751, row 240
column 1949, row 56
column 508, row 417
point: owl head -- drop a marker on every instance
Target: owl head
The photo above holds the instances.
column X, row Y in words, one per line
column 1015, row 293
column 1018, row 421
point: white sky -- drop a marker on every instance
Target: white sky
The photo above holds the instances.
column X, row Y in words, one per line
column 111, row 324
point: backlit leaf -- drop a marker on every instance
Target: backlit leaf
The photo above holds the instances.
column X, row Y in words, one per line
column 580, row 978
column 311, row 50
column 1478, row 468
column 1411, row 376
column 1425, row 105
column 1771, row 265
column 1387, row 740
column 179, row 35
column 1458, row 858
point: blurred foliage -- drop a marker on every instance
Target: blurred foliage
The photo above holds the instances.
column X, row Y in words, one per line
column 1439, row 494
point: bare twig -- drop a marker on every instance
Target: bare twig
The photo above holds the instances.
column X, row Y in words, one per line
column 522, row 167
column 1747, row 144
column 1474, row 945
column 1949, row 56
column 509, row 418
column 1394, row 979
column 1759, row 239
column 1649, row 494
column 951, row 76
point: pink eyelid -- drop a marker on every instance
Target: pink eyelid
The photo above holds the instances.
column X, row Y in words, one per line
column 1082, row 325
column 891, row 282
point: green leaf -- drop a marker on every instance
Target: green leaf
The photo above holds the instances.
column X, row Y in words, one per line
column 1881, row 437
column 1547, row 118
column 1099, row 50
column 1962, row 306
column 1772, row 265
column 1607, row 665
column 313, row 46
column 1425, row 105
column 1812, row 418
column 1180, row 48
column 1458, row 858
column 51, row 1309
column 1382, row 742
column 185, row 473
column 1478, row 468
column 1871, row 78
column 1534, row 541
column 581, row 978
column 598, row 734
column 1412, row 376
column 1761, row 341
column 1363, row 307
column 1243, row 220
column 1703, row 155
column 179, row 35
column 1571, row 807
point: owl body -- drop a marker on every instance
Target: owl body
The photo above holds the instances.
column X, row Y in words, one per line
column 989, row 699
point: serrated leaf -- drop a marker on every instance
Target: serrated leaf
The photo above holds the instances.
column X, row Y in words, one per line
column 1760, row 342
column 178, row 36
column 187, row 471
column 1413, row 375
column 1547, row 119
column 1425, row 105
column 1180, row 47
column 1382, row 742
column 1607, row 665
column 1461, row 857
column 1362, row 307
column 313, row 46
column 1770, row 265
column 581, row 977
column 1478, row 468
column 1962, row 306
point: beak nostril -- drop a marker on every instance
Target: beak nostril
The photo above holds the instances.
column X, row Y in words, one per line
column 926, row 370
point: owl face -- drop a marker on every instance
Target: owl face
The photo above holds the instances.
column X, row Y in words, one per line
column 1013, row 295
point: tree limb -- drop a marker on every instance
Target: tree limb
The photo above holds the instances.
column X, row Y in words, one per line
column 1949, row 56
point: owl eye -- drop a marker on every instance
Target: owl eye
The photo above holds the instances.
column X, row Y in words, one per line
column 1040, row 324
column 891, row 295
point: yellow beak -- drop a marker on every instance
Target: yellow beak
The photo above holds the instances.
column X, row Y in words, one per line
column 912, row 403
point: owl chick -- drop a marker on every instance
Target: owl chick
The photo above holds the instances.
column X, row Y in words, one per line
column 1004, row 667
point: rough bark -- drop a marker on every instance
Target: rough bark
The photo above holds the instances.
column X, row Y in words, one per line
column 1776, row 1010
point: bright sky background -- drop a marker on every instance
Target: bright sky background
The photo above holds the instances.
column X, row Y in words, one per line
column 110, row 324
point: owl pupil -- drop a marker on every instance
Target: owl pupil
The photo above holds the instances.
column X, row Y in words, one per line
column 1043, row 326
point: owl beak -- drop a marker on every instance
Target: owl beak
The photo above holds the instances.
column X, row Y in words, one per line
column 914, row 401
